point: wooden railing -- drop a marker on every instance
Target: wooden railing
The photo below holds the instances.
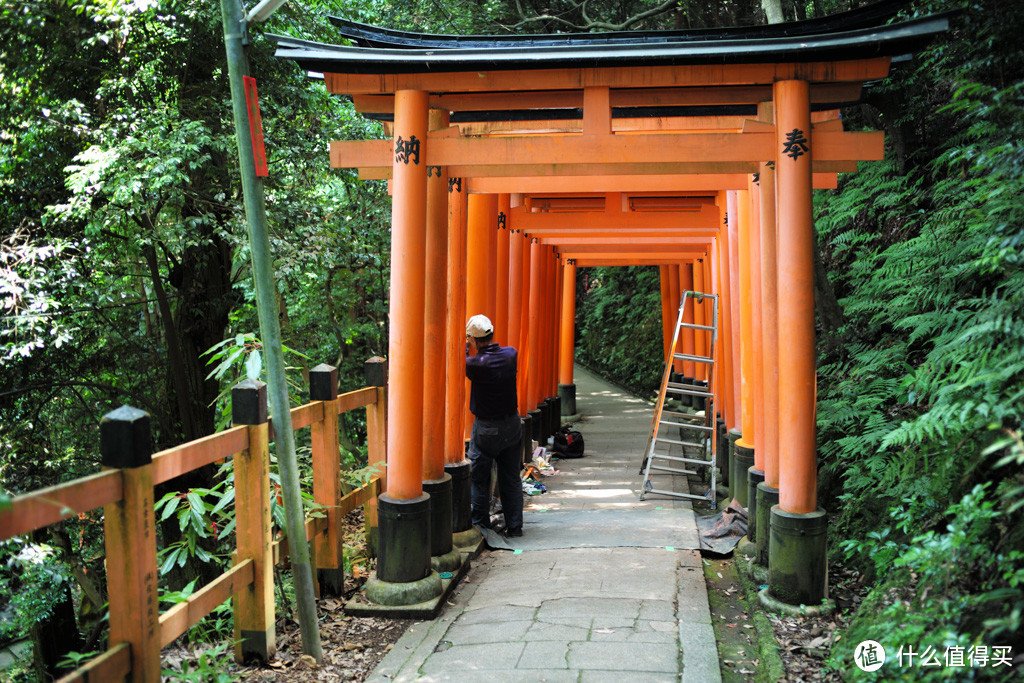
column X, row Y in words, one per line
column 125, row 491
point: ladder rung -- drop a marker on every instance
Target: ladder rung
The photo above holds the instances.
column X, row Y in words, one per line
column 675, row 413
column 679, row 443
column 695, row 359
column 693, row 326
column 683, row 425
column 676, row 458
column 676, row 494
column 679, row 389
column 673, row 470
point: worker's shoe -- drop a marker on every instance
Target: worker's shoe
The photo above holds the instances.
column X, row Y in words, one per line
column 514, row 533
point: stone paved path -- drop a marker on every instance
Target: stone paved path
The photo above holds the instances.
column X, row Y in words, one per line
column 602, row 586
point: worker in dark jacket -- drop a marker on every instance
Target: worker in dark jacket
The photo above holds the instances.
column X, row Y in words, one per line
column 497, row 430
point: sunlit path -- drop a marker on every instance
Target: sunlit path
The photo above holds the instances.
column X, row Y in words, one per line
column 600, row 586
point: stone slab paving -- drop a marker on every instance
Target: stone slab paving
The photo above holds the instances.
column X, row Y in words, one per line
column 602, row 586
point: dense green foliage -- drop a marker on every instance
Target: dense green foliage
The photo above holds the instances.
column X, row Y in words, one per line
column 920, row 405
column 123, row 256
column 123, row 263
column 613, row 300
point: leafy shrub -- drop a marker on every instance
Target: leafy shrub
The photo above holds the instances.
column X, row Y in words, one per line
column 961, row 587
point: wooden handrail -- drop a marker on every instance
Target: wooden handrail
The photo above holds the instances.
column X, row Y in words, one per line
column 176, row 461
column 179, row 618
column 308, row 413
column 113, row 665
column 39, row 509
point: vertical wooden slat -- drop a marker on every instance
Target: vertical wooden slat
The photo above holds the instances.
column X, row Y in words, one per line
column 255, row 634
column 330, row 574
column 129, row 527
column 376, row 372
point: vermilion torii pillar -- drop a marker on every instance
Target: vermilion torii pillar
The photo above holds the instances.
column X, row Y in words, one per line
column 673, row 294
column 566, row 385
column 755, row 473
column 743, row 452
column 533, row 389
column 403, row 563
column 796, row 557
column 768, row 490
column 501, row 272
column 667, row 321
column 456, row 464
column 687, row 336
column 437, row 483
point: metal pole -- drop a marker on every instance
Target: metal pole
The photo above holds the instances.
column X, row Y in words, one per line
column 270, row 332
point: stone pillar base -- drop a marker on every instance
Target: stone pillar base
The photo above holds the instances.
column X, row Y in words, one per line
column 449, row 562
column 744, row 457
column 467, row 539
column 797, row 559
column 685, row 399
column 403, row 593
column 767, row 497
column 404, row 539
column 722, row 452
column 699, row 402
column 754, row 477
column 440, row 492
column 733, row 436
column 461, row 497
column 536, row 425
column 567, row 392
column 527, row 439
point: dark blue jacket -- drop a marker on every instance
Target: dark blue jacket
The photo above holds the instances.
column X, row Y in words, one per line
column 493, row 374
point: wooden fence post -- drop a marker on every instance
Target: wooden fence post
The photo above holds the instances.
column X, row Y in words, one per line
column 255, row 634
column 330, row 568
column 129, row 529
column 376, row 372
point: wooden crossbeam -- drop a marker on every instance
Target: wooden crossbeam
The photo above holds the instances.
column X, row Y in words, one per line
column 607, row 154
column 593, row 261
column 621, row 220
column 857, row 70
column 626, row 247
column 595, row 243
column 619, row 125
column 619, row 97
column 709, row 182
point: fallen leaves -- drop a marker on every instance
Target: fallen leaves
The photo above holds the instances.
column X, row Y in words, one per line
column 806, row 642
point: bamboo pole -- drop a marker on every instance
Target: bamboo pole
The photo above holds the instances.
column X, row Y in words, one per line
column 270, row 330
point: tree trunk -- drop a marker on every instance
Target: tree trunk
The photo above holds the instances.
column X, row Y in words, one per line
column 174, row 355
column 55, row 636
column 830, row 313
column 772, row 10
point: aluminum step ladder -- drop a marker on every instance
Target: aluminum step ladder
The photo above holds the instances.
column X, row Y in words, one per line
column 696, row 444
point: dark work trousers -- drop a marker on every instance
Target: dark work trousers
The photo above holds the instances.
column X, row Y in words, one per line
column 497, row 441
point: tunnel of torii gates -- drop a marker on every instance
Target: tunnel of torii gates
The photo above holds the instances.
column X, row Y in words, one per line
column 514, row 161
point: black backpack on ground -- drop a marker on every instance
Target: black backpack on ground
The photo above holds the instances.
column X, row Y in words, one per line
column 568, row 443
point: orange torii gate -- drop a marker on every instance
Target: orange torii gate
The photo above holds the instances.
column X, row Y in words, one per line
column 692, row 151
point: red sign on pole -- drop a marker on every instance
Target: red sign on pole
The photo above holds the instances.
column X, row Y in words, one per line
column 252, row 103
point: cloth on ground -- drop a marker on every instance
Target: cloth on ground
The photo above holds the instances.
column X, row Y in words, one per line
column 719, row 534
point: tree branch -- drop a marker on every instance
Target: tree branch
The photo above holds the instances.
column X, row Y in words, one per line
column 590, row 24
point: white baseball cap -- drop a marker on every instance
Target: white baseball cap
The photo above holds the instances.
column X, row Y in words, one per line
column 479, row 326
